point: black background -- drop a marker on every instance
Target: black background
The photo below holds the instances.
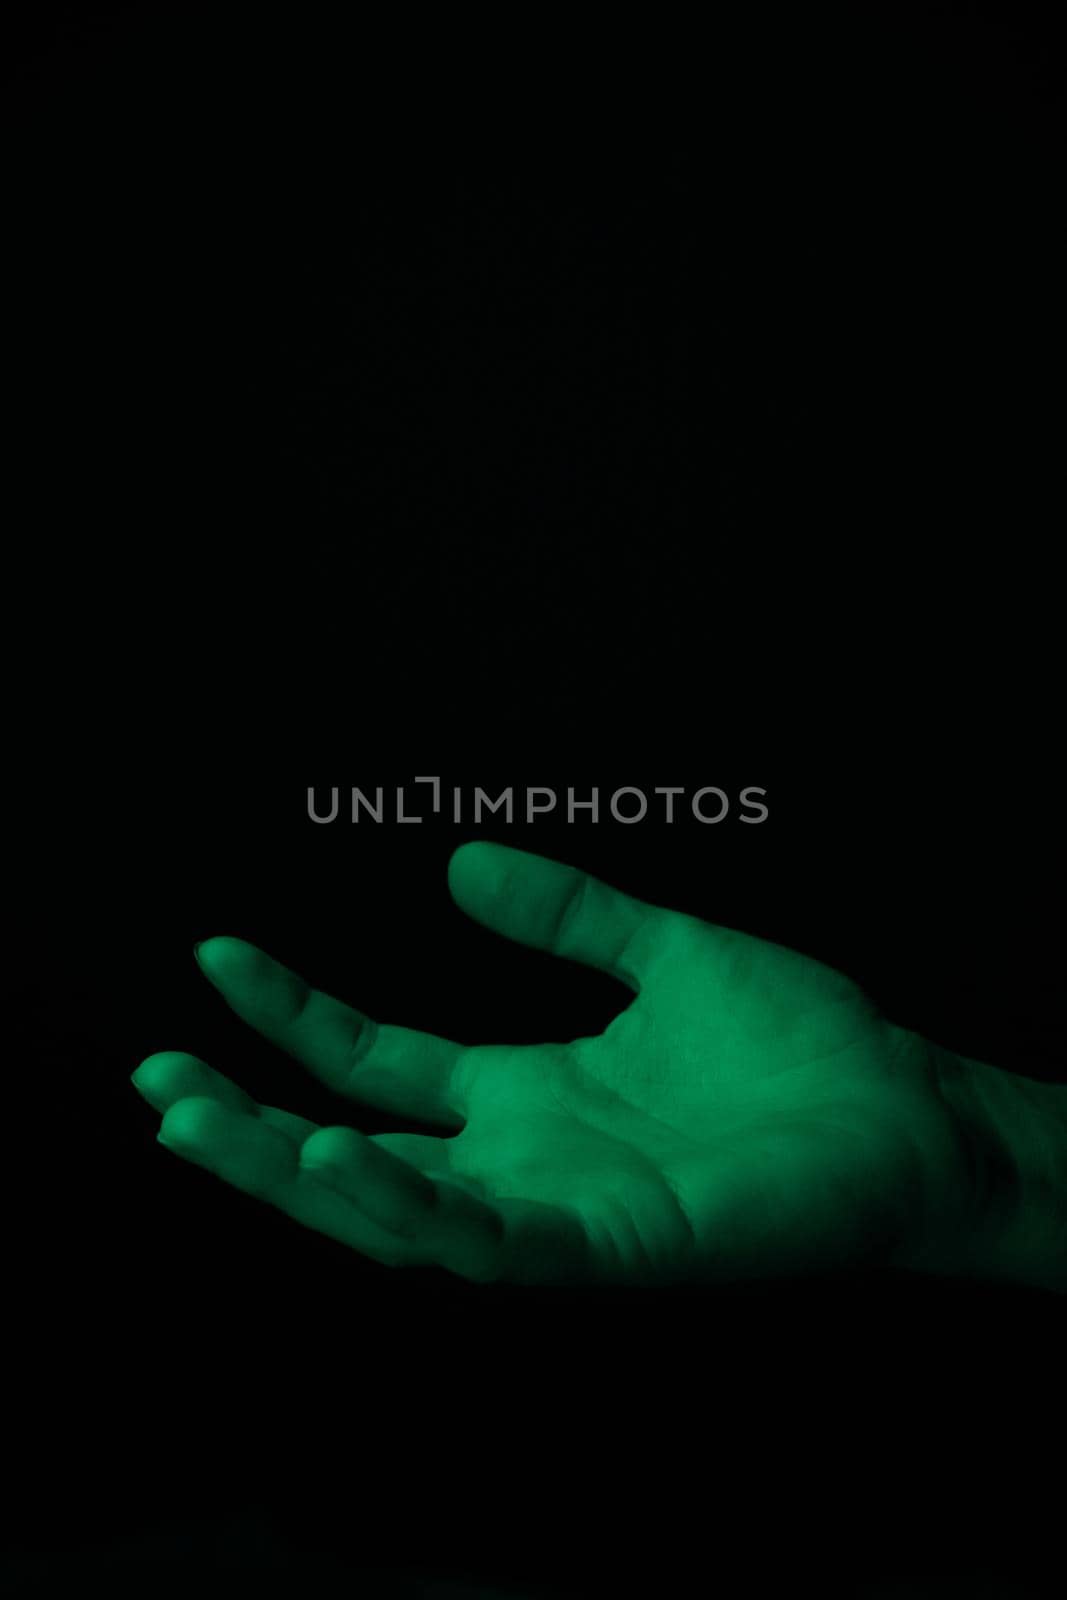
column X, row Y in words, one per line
column 526, row 403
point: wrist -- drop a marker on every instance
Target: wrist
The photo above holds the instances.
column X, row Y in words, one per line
column 1011, row 1134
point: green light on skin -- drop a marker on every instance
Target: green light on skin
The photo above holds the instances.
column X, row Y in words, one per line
column 748, row 1113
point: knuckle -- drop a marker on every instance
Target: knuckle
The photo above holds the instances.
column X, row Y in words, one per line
column 570, row 911
column 364, row 1034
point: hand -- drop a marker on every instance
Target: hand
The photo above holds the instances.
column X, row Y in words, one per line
column 748, row 1113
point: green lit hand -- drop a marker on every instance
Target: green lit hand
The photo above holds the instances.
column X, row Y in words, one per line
column 748, row 1113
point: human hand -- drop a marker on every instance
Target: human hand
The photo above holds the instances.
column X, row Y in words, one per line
column 749, row 1113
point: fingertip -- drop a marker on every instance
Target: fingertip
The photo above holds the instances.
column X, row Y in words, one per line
column 220, row 953
column 173, row 1075
column 331, row 1147
column 157, row 1074
column 148, row 1072
column 472, row 867
column 463, row 854
column 191, row 1121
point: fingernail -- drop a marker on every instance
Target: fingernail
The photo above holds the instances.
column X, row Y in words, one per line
column 196, row 949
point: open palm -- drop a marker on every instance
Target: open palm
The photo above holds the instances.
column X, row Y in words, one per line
column 748, row 1113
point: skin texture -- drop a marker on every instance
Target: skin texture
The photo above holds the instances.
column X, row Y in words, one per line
column 747, row 1113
